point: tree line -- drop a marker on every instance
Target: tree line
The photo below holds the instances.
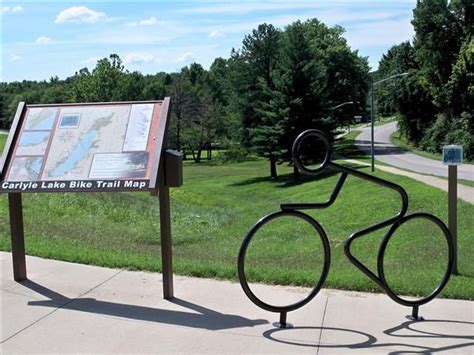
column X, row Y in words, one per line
column 435, row 102
column 277, row 84
column 281, row 82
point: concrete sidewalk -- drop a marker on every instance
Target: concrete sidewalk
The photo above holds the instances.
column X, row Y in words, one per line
column 66, row 307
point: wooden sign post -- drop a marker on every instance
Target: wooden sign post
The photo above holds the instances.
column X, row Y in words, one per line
column 452, row 156
column 118, row 146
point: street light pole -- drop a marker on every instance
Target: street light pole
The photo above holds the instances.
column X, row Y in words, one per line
column 372, row 114
column 372, row 153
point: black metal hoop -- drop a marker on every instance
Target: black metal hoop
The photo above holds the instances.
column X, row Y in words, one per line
column 449, row 268
column 296, row 146
column 394, row 222
column 243, row 249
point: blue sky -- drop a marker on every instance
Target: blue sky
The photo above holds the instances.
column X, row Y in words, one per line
column 43, row 39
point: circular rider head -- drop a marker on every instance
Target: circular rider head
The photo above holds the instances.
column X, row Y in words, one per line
column 311, row 151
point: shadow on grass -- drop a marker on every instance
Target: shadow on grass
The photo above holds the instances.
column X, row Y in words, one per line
column 289, row 180
column 346, row 149
column 464, row 274
column 217, row 162
column 199, row 317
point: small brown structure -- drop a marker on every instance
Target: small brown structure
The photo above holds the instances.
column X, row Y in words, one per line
column 90, row 147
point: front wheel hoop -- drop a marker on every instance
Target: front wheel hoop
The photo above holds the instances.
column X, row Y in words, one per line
column 241, row 261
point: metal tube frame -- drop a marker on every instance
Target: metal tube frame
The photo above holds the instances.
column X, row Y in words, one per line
column 395, row 221
column 345, row 171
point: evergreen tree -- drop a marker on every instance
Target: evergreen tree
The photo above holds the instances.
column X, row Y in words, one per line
column 253, row 78
column 300, row 83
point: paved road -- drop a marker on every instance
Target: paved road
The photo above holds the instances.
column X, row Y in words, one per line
column 390, row 154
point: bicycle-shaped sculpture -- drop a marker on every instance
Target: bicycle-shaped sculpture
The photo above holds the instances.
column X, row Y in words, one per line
column 293, row 210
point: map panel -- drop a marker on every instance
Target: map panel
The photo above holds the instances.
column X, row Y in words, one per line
column 25, row 169
column 86, row 147
column 121, row 165
column 40, row 118
column 138, row 127
column 70, row 121
column 100, row 130
column 33, row 143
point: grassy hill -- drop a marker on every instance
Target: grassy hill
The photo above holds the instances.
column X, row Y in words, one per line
column 217, row 206
column 3, row 139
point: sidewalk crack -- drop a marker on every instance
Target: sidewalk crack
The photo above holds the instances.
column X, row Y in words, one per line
column 322, row 324
column 61, row 306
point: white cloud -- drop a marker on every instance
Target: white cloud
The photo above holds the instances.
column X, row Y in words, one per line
column 80, row 14
column 245, row 7
column 388, row 33
column 15, row 58
column 215, row 33
column 163, row 32
column 145, row 22
column 16, row 8
column 329, row 17
column 138, row 58
column 91, row 60
column 43, row 40
column 187, row 57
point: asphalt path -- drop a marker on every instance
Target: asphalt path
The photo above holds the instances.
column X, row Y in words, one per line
column 388, row 153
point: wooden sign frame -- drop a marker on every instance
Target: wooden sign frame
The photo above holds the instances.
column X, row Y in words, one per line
column 166, row 171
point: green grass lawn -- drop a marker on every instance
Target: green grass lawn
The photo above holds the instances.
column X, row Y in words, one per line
column 397, row 139
column 400, row 141
column 3, row 139
column 217, row 206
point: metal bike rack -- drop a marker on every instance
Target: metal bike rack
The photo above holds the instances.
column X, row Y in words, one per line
column 395, row 222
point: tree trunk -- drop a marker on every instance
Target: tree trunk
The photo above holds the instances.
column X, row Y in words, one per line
column 273, row 168
column 296, row 173
column 198, row 156
column 178, row 133
column 194, row 155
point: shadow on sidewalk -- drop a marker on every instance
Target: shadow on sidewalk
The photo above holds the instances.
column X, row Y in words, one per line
column 205, row 318
column 370, row 341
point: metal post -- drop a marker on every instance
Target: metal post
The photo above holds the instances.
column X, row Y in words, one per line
column 165, row 229
column 452, row 210
column 17, row 236
column 372, row 123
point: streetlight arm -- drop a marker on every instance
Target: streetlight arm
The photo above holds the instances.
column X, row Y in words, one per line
column 391, row 77
column 343, row 104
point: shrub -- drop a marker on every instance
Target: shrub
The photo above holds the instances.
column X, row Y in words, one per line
column 234, row 153
column 447, row 130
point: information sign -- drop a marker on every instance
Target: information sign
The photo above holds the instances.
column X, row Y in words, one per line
column 117, row 146
column 84, row 147
column 452, row 154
